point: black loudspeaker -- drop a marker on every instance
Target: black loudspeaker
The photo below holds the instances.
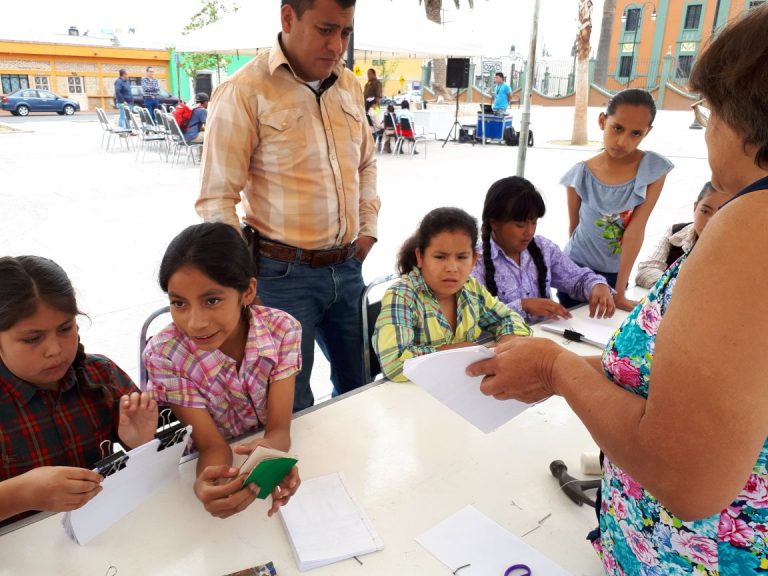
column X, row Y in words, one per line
column 457, row 73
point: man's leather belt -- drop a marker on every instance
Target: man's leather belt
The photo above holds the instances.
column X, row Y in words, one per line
column 314, row 258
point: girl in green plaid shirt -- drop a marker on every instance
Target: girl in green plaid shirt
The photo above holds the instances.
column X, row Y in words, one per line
column 436, row 304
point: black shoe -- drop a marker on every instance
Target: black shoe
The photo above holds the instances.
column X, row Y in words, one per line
column 415, row 151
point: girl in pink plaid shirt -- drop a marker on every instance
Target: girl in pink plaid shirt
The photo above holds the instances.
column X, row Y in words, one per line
column 226, row 365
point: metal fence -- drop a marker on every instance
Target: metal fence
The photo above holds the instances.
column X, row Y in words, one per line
column 555, row 78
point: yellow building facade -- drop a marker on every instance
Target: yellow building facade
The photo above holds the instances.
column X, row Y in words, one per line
column 647, row 35
column 395, row 75
column 85, row 73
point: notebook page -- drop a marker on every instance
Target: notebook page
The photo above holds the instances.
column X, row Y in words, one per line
column 471, row 539
column 595, row 331
column 325, row 523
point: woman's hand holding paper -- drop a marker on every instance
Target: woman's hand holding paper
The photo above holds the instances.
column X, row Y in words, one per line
column 520, row 370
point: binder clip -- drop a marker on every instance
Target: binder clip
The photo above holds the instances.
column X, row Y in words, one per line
column 112, row 464
column 572, row 335
column 166, row 418
column 573, row 488
column 171, row 436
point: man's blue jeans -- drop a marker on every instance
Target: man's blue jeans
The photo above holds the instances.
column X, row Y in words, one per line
column 122, row 120
column 151, row 104
column 326, row 301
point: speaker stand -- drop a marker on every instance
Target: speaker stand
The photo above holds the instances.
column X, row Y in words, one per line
column 456, row 128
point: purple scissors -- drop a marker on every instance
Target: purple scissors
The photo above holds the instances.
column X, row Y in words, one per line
column 511, row 571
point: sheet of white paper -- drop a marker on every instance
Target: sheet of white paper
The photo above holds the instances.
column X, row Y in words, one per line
column 443, row 375
column 595, row 331
column 326, row 524
column 147, row 470
column 470, row 537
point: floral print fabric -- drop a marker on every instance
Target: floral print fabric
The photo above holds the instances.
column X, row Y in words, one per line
column 638, row 536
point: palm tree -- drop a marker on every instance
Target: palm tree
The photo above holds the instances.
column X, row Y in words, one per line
column 433, row 9
column 579, row 135
column 604, row 45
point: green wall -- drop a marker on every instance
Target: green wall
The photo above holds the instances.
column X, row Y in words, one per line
column 179, row 77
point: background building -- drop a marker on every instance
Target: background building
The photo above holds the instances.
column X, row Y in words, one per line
column 83, row 68
column 644, row 33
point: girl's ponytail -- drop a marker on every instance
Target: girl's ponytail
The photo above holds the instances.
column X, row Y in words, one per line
column 541, row 267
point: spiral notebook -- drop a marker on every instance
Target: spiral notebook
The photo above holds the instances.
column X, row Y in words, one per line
column 129, row 479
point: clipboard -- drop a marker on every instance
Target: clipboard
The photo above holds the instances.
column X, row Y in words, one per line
column 594, row 331
column 129, row 479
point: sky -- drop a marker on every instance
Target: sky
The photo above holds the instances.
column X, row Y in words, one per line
column 496, row 24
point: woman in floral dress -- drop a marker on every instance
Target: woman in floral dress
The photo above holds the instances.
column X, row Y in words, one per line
column 679, row 399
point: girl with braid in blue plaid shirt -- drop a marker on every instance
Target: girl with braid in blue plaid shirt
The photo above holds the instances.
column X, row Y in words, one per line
column 57, row 403
column 436, row 304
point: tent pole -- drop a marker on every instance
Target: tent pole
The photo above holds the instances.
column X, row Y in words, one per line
column 482, row 95
column 351, row 52
column 525, row 121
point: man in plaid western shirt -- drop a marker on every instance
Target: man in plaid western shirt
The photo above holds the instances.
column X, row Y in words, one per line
column 289, row 133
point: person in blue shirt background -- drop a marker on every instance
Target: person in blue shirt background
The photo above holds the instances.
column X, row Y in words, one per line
column 502, row 95
column 194, row 133
column 123, row 96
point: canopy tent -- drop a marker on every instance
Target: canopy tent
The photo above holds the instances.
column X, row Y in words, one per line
column 380, row 31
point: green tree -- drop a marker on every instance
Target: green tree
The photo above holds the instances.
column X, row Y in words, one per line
column 433, row 9
column 211, row 11
column 386, row 69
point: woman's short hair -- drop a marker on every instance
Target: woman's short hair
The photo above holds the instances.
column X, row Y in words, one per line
column 732, row 76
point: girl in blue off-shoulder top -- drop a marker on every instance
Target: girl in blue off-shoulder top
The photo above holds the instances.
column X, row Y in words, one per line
column 611, row 195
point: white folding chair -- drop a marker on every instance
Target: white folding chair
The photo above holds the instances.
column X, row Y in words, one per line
column 149, row 134
column 109, row 129
column 407, row 133
column 181, row 143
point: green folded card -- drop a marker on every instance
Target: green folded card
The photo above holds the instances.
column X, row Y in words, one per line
column 267, row 467
column 269, row 473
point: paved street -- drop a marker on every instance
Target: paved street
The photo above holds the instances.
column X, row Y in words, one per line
column 107, row 218
column 34, row 117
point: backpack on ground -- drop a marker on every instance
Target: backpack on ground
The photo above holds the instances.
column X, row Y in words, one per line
column 512, row 137
column 182, row 114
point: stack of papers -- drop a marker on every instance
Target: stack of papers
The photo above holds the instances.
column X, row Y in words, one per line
column 472, row 540
column 325, row 523
column 595, row 331
column 444, row 376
